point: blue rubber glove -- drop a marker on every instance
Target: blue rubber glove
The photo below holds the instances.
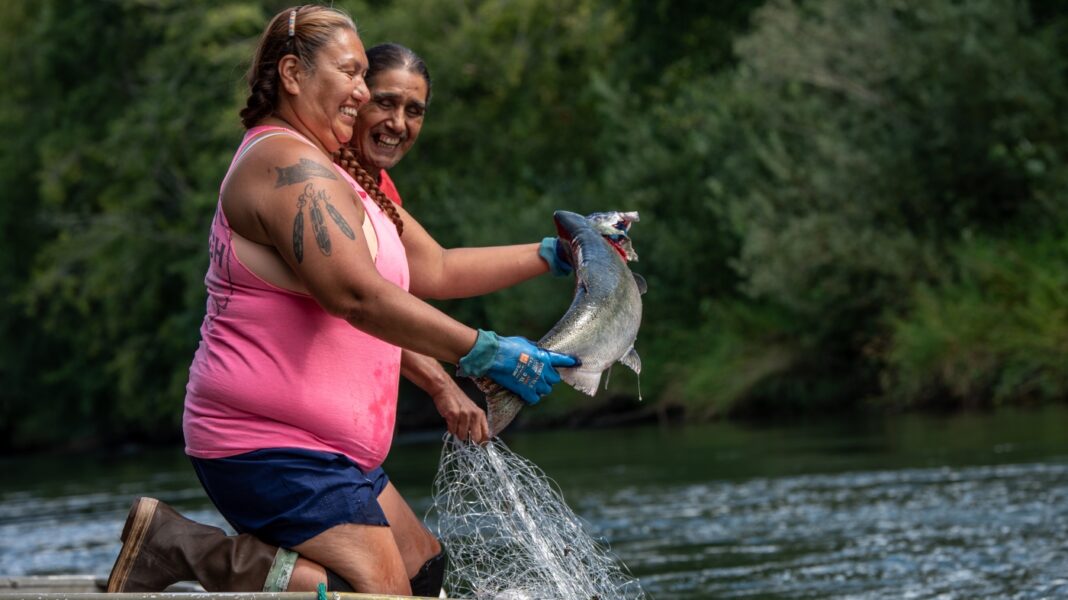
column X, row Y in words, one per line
column 554, row 253
column 515, row 363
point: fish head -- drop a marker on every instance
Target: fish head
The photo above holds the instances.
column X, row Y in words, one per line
column 612, row 221
column 614, row 226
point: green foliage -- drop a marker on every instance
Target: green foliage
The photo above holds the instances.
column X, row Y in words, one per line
column 835, row 166
column 738, row 349
column 874, row 156
column 995, row 331
column 19, row 230
column 127, row 162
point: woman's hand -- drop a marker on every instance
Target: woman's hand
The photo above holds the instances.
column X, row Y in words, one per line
column 515, row 363
column 463, row 418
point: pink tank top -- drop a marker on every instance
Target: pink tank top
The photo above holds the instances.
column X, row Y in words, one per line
column 274, row 370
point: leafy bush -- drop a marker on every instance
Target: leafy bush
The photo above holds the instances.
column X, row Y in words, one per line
column 994, row 331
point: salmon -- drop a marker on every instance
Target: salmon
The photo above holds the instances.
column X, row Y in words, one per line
column 602, row 323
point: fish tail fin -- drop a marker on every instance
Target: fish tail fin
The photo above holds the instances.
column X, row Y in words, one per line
column 582, row 380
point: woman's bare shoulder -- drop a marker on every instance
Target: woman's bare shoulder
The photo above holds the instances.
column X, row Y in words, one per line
column 278, row 174
column 284, row 160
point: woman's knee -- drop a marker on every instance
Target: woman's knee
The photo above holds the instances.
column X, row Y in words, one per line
column 365, row 556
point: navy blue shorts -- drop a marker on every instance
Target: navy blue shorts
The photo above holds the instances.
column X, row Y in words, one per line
column 286, row 496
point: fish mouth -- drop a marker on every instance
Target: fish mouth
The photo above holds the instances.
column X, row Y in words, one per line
column 624, row 248
column 615, row 227
column 612, row 225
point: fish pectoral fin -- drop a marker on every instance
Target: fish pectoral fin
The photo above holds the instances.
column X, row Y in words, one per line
column 632, row 360
column 640, row 281
column 582, row 380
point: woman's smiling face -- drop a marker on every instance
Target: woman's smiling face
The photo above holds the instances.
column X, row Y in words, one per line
column 335, row 90
column 389, row 124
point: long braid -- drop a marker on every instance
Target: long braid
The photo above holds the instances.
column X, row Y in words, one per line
column 347, row 159
column 263, row 90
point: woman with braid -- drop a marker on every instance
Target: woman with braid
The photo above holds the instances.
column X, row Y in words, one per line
column 313, row 293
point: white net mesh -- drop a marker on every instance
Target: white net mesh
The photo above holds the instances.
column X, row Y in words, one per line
column 511, row 536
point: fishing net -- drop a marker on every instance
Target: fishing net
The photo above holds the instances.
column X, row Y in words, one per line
column 510, row 536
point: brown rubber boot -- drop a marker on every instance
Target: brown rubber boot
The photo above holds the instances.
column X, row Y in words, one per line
column 161, row 547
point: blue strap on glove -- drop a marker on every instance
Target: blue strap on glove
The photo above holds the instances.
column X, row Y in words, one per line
column 553, row 253
column 515, row 363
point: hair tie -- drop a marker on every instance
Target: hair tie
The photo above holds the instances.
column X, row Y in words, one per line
column 293, row 23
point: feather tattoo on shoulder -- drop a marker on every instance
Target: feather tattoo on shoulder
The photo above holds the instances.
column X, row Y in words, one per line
column 298, row 230
column 316, row 200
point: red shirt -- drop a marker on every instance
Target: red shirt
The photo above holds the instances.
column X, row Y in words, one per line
column 386, row 185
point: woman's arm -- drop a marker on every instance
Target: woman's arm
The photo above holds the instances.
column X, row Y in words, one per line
column 463, row 417
column 441, row 273
column 288, row 195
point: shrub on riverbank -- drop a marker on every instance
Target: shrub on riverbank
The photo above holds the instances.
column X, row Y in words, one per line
column 832, row 179
column 993, row 330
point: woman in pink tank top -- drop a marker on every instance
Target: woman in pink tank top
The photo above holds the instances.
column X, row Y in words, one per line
column 314, row 287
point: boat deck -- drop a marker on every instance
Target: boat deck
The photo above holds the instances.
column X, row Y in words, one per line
column 88, row 587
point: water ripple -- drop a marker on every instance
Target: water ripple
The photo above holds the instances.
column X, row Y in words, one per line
column 77, row 533
column 992, row 531
column 964, row 532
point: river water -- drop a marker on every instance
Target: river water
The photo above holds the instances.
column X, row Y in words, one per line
column 972, row 506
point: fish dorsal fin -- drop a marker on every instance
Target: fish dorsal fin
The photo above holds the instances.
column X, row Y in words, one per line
column 642, row 286
column 632, row 360
column 582, row 380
